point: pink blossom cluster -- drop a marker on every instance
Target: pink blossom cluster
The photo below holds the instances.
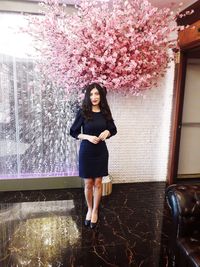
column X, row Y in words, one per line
column 121, row 44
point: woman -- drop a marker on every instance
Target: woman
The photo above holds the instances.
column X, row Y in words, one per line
column 95, row 120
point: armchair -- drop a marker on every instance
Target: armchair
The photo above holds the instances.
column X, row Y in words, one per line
column 184, row 203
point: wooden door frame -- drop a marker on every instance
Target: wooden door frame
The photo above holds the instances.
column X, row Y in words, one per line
column 178, row 96
column 176, row 117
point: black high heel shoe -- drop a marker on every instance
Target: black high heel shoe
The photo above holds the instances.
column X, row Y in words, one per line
column 92, row 224
column 87, row 222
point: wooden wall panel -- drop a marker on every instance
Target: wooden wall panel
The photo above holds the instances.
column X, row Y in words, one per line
column 190, row 35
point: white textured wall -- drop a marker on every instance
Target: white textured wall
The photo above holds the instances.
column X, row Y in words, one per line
column 139, row 152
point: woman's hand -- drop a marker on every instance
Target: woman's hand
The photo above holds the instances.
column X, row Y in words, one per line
column 105, row 134
column 93, row 139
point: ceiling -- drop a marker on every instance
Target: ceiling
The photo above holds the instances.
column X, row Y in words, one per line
column 158, row 3
column 175, row 3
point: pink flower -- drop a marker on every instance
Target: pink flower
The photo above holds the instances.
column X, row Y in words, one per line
column 124, row 45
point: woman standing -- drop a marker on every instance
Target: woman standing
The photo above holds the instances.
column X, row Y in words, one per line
column 93, row 125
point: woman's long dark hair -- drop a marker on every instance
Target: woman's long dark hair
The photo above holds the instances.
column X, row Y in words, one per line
column 87, row 105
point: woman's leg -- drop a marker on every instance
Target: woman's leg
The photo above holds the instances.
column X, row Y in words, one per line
column 97, row 198
column 89, row 183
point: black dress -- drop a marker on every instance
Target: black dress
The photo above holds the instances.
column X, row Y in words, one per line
column 93, row 158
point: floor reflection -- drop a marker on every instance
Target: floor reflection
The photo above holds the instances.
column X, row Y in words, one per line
column 41, row 241
column 45, row 228
column 37, row 233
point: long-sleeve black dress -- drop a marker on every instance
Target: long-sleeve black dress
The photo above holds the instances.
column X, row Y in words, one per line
column 93, row 158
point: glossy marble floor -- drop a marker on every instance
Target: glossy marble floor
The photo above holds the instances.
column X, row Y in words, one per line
column 45, row 228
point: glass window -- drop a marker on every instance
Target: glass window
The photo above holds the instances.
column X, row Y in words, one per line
column 34, row 116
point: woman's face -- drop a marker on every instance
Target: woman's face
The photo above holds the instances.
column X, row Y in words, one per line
column 94, row 97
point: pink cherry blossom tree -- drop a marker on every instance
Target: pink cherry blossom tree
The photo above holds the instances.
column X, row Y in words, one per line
column 123, row 45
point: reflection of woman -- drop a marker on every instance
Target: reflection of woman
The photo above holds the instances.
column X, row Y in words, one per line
column 97, row 124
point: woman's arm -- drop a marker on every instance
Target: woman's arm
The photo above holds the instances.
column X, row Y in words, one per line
column 110, row 131
column 75, row 129
column 91, row 138
column 105, row 134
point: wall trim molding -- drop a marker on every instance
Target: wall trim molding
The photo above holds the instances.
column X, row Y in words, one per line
column 20, row 184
